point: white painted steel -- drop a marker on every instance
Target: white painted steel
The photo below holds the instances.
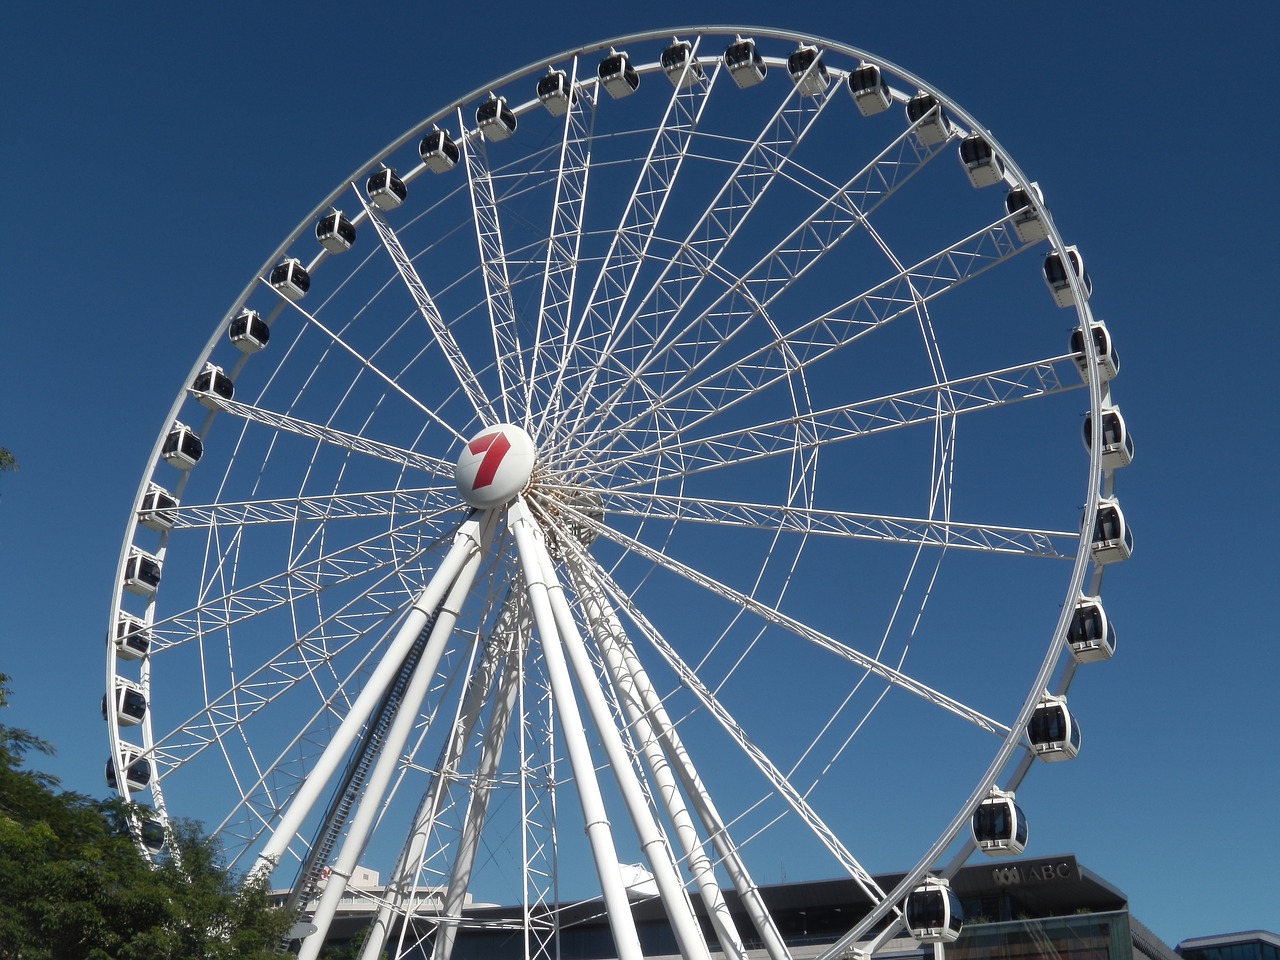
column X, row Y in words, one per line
column 797, row 521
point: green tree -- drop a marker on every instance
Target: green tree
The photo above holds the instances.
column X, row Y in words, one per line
column 7, row 460
column 75, row 886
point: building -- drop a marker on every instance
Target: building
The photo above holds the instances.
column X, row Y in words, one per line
column 1051, row 908
column 1250, row 945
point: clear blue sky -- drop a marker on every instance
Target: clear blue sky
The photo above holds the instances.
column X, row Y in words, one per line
column 152, row 157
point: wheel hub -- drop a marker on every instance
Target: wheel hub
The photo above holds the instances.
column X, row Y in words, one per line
column 495, row 465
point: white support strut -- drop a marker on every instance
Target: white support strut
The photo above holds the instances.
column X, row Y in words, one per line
column 599, row 833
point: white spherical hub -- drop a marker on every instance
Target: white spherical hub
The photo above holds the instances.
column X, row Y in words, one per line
column 495, row 465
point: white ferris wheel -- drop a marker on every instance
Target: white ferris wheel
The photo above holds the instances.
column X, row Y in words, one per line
column 656, row 474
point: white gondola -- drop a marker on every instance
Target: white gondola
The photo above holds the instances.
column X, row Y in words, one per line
column 745, row 64
column 933, row 126
column 1091, row 636
column 680, row 66
column 1053, row 731
column 869, row 91
column 982, row 165
column 151, row 833
column 556, row 93
column 1027, row 223
column 290, row 279
column 335, row 232
column 248, row 331
column 1055, row 276
column 157, row 510
column 438, row 151
column 182, row 448
column 386, row 191
column 141, row 573
column 127, row 701
column 1117, row 444
column 933, row 912
column 137, row 769
column 1108, row 358
column 1112, row 538
column 496, row 120
column 807, row 70
column 210, row 385
column 999, row 825
column 618, row 75
column 132, row 638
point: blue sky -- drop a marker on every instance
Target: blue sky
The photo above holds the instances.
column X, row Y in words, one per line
column 152, row 159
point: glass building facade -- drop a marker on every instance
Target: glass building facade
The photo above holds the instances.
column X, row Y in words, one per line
column 1044, row 909
column 1250, row 945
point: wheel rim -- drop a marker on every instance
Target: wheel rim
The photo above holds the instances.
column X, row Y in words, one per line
column 748, row 348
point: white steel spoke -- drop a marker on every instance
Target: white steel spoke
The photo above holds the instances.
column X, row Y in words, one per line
column 774, row 616
column 424, row 503
column 949, row 534
column 377, row 372
column 427, row 307
column 408, row 459
column 931, row 404
column 298, row 580
column 493, row 261
column 780, row 784
column 560, row 270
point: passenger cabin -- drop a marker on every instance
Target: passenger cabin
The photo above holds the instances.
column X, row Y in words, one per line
column 1055, row 276
column 982, row 165
column 335, row 232
column 157, row 509
column 930, row 120
column 290, row 278
column 438, row 151
column 1108, row 358
column 386, row 191
column 617, row 75
column 1112, row 538
column 1027, row 223
column 132, row 638
column 210, row 384
column 1117, row 445
column 808, row 72
column 141, row 573
column 1053, row 732
column 999, row 825
column 151, row 834
column 496, row 120
column 680, row 65
column 248, row 331
column 137, row 769
column 127, row 701
column 1091, row 636
column 555, row 93
column 182, row 448
column 745, row 64
column 869, row 91
column 933, row 912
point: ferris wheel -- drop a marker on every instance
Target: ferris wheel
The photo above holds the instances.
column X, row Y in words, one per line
column 656, row 474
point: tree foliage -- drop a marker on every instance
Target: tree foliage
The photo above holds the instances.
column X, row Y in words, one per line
column 75, row 886
column 7, row 460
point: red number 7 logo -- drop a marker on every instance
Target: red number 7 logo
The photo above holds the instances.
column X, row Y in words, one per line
column 494, row 446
